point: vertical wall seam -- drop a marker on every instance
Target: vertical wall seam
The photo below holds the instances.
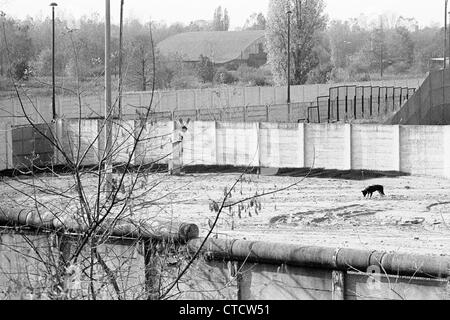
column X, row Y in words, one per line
column 399, row 151
column 301, row 144
column 258, row 142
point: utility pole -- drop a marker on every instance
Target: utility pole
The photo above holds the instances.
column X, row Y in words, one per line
column 445, row 34
column 445, row 53
column 2, row 17
column 108, row 100
column 121, row 59
column 289, row 57
column 53, row 5
column 448, row 51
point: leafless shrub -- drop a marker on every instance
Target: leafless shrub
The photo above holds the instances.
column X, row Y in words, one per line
column 80, row 235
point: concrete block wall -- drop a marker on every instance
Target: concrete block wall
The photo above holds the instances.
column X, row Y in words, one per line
column 253, row 96
column 186, row 100
column 89, row 145
column 418, row 150
column 22, row 267
column 281, row 145
column 25, row 263
column 236, row 97
column 268, row 96
column 423, row 150
column 29, row 145
column 123, row 137
column 221, row 98
column 170, row 99
column 19, row 262
column 327, row 146
column 447, row 151
column 133, row 102
column 430, row 105
column 375, row 147
column 237, row 144
column 6, row 160
column 266, row 282
column 203, row 98
column 199, row 144
column 79, row 140
column 156, row 143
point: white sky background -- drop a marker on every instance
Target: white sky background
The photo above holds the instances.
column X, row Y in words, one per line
column 426, row 12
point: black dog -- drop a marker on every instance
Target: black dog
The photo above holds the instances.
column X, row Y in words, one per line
column 370, row 190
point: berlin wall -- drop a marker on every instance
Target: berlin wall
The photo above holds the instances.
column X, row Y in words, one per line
column 416, row 150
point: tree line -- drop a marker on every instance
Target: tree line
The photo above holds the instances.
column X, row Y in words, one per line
column 357, row 49
column 322, row 50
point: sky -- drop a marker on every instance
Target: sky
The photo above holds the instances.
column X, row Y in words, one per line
column 426, row 12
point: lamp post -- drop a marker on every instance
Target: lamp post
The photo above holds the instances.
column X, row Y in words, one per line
column 448, row 51
column 120, row 57
column 108, row 100
column 289, row 57
column 445, row 53
column 445, row 35
column 2, row 16
column 53, row 5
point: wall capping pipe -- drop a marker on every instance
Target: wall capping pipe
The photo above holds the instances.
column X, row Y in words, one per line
column 138, row 229
column 324, row 258
column 341, row 259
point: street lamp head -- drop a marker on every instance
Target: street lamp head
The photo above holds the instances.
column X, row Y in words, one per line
column 53, row 4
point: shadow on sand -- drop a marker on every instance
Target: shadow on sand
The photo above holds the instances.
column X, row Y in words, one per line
column 358, row 175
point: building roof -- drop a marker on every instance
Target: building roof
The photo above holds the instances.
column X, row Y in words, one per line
column 219, row 46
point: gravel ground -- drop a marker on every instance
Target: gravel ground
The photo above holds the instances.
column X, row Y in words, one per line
column 414, row 217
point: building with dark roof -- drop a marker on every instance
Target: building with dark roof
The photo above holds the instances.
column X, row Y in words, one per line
column 229, row 48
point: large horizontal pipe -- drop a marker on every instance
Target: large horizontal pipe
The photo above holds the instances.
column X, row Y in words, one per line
column 146, row 230
column 254, row 252
column 324, row 258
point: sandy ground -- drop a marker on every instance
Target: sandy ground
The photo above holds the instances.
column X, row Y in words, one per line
column 414, row 217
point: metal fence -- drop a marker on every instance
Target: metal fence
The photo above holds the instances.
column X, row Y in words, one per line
column 284, row 113
column 343, row 103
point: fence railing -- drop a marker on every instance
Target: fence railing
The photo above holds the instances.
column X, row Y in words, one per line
column 324, row 110
column 197, row 101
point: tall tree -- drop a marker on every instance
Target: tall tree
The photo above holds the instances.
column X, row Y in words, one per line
column 256, row 21
column 379, row 48
column 342, row 46
column 140, row 59
column 401, row 47
column 217, row 20
column 205, row 69
column 199, row 25
column 226, row 20
column 428, row 44
column 307, row 21
column 221, row 20
column 19, row 51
